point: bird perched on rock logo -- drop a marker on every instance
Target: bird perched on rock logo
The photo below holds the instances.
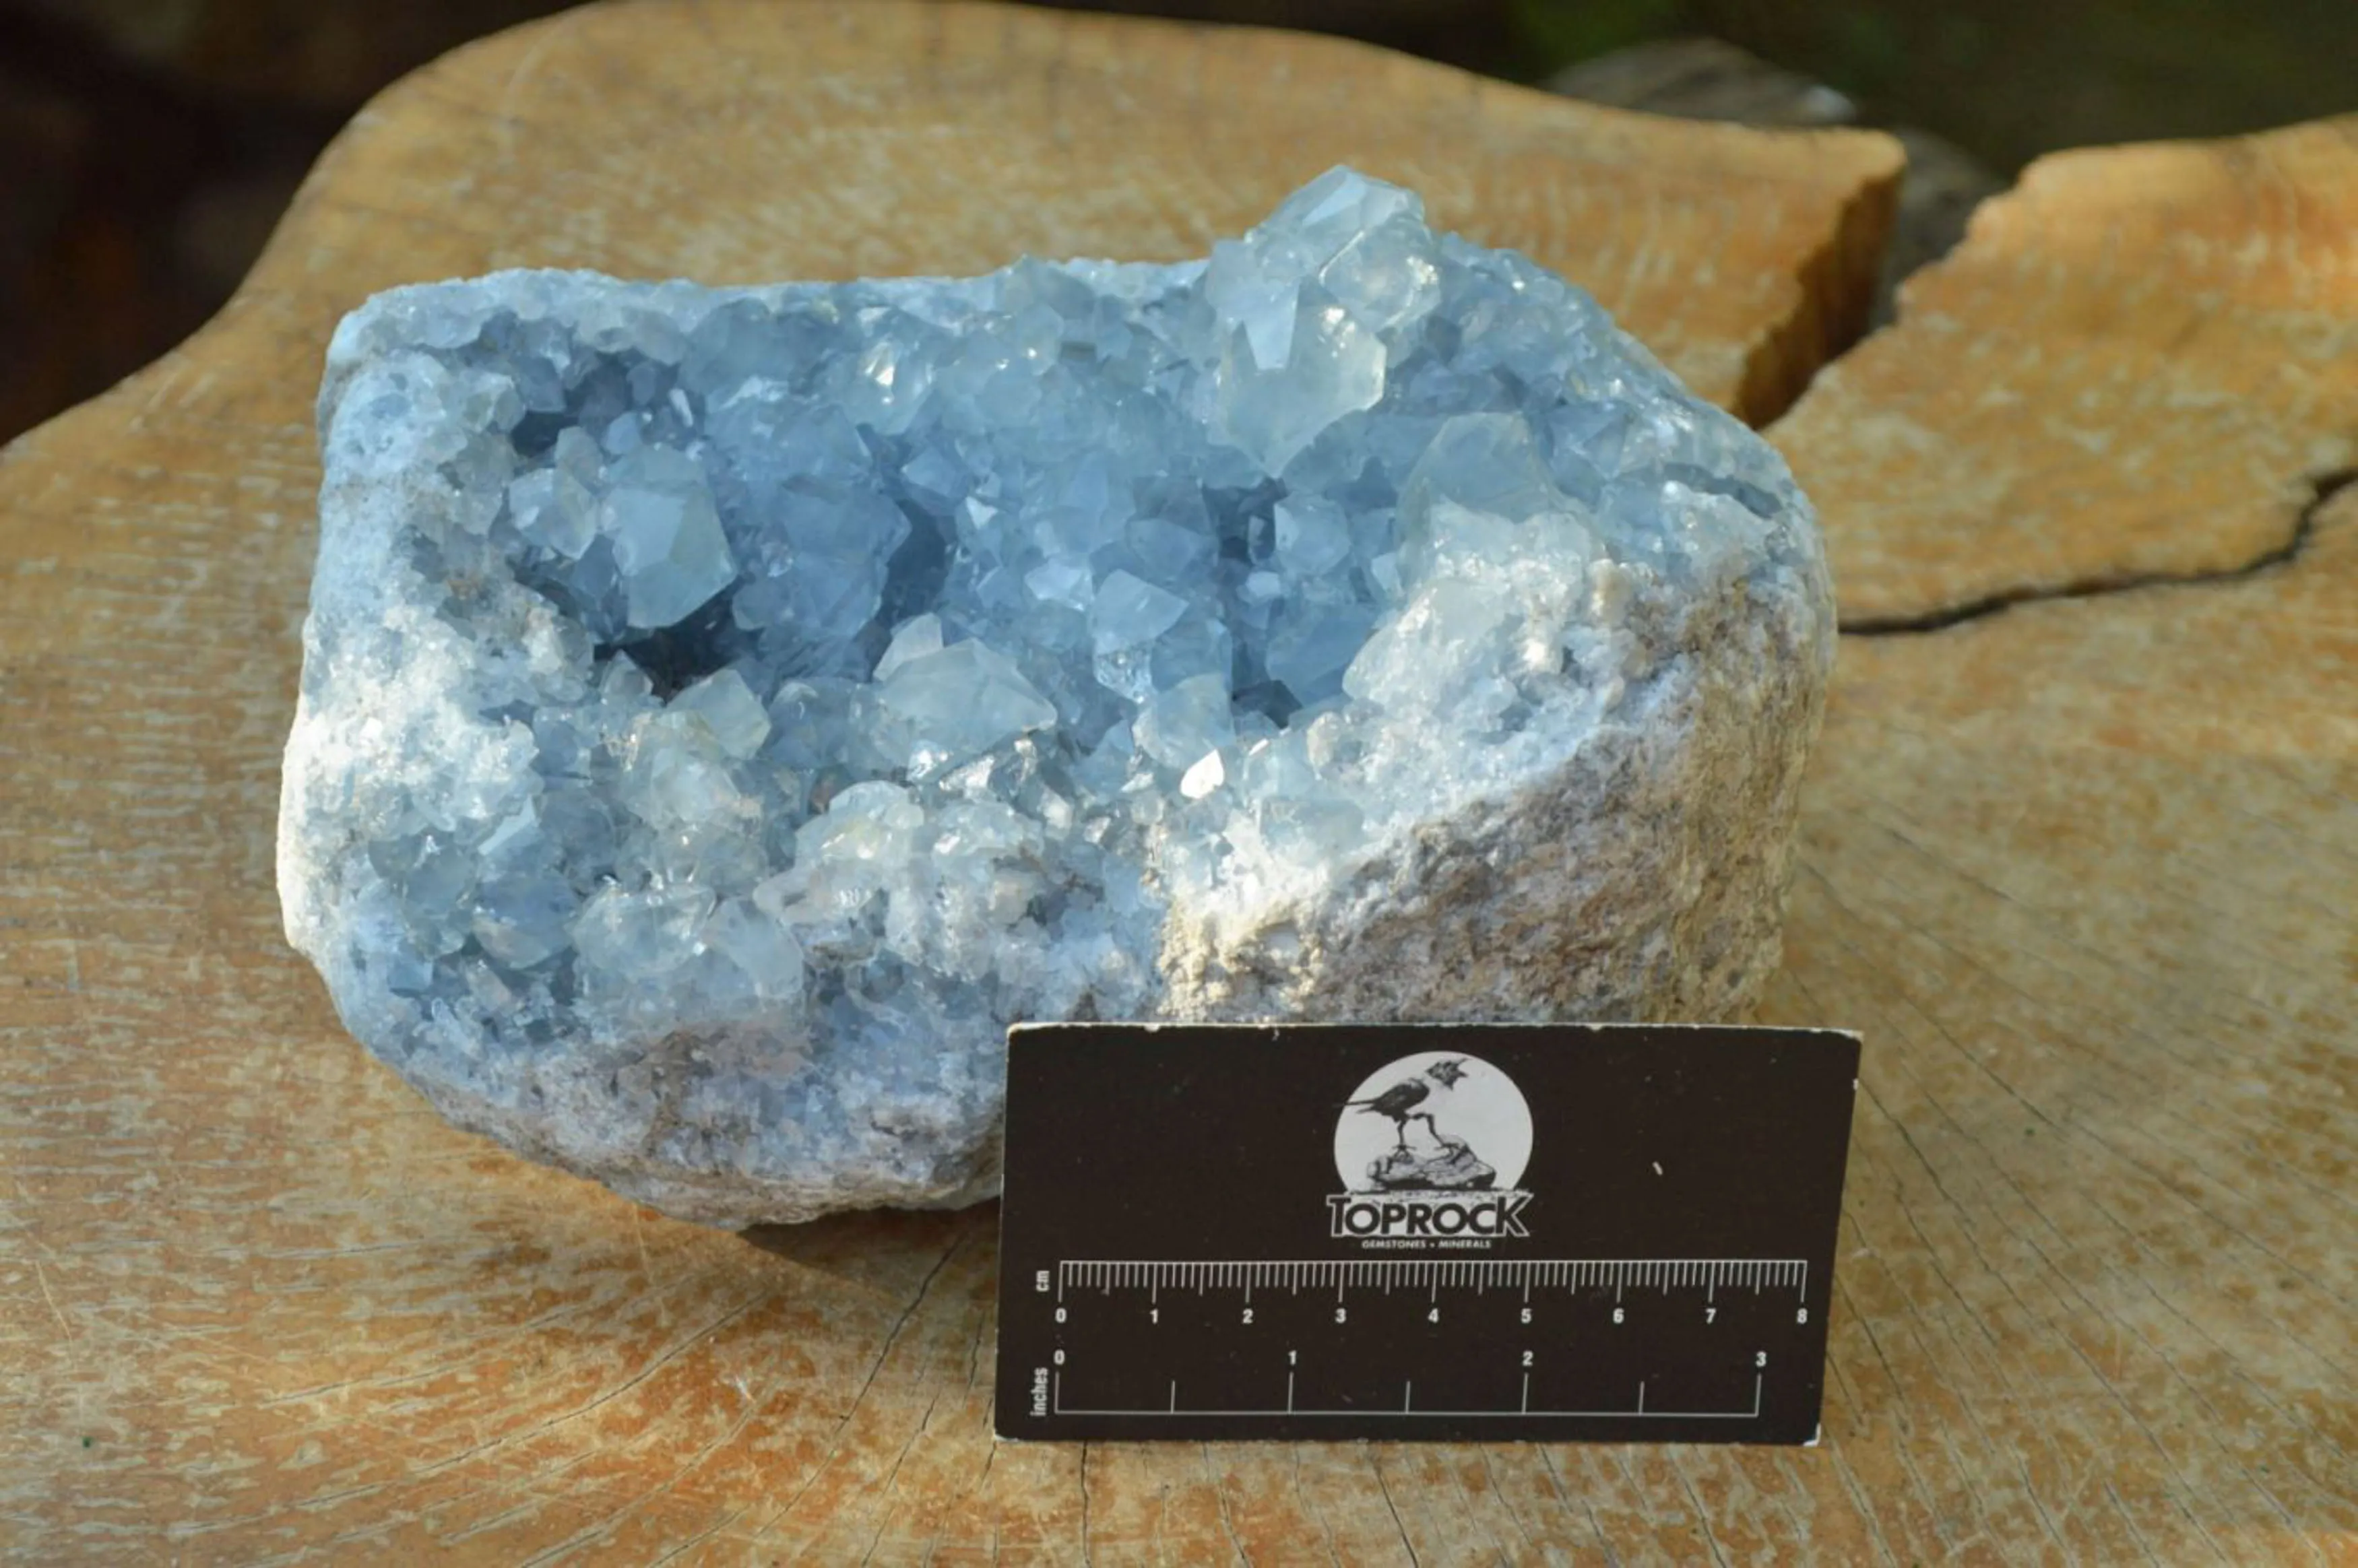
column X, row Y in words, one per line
column 1431, row 1148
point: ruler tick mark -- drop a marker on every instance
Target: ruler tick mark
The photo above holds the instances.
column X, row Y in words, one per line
column 1144, row 1188
column 1247, row 1275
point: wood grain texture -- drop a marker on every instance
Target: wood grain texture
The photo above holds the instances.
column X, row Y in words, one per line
column 2081, row 868
column 2151, row 359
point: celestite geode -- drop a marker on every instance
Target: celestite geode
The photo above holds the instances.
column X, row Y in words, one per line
column 725, row 710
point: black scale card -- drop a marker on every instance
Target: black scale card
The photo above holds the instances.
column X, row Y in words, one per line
column 1554, row 1231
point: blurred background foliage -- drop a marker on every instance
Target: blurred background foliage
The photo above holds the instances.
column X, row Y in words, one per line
column 2007, row 79
column 147, row 146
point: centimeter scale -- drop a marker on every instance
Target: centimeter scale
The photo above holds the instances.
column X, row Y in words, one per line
column 1420, row 1232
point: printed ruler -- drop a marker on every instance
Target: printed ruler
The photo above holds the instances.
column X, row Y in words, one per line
column 1558, row 1231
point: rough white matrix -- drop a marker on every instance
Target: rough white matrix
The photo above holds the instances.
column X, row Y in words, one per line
column 725, row 710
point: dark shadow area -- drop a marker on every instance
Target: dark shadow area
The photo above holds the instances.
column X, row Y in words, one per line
column 875, row 1248
column 151, row 145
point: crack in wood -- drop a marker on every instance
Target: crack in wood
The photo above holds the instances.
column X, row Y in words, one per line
column 2324, row 487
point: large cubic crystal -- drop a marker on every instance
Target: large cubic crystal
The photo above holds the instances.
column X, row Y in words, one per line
column 725, row 710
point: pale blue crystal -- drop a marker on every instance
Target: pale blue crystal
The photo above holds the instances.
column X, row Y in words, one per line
column 1126, row 612
column 1178, row 726
column 554, row 510
column 958, row 701
column 522, row 919
column 730, row 710
column 1334, row 366
column 759, row 945
column 636, row 935
column 726, row 709
column 1481, row 462
column 668, row 545
column 1313, row 535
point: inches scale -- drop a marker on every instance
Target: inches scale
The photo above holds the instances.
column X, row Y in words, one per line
column 1558, row 1231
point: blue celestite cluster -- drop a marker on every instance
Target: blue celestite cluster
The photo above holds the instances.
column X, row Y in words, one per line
column 725, row 710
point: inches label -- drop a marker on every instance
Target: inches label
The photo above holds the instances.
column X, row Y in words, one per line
column 1462, row 1232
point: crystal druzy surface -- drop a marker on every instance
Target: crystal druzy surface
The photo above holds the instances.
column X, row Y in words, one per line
column 725, row 710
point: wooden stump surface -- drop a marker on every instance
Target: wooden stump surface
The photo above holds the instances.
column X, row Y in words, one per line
column 2079, row 845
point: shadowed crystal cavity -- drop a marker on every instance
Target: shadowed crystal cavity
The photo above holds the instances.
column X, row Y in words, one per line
column 725, row 710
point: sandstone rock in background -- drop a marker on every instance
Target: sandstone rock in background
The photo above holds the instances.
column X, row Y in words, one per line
column 1943, row 184
column 1705, row 79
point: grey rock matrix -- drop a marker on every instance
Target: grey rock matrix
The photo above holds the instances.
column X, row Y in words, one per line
column 725, row 710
